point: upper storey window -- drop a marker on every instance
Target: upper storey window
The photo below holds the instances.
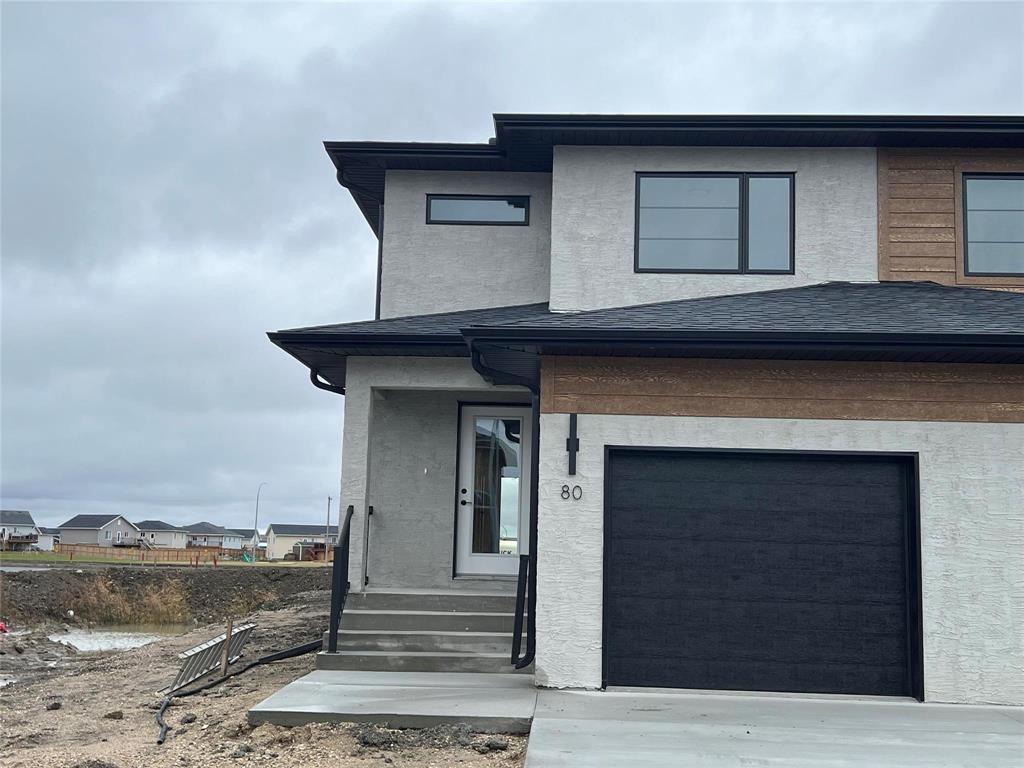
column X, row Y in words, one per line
column 994, row 225
column 738, row 223
column 506, row 210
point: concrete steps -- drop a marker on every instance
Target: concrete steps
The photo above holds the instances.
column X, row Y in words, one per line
column 424, row 632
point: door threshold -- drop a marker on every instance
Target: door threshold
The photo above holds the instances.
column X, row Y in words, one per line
column 484, row 577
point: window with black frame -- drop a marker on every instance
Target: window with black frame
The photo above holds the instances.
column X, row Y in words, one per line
column 493, row 210
column 994, row 225
column 739, row 223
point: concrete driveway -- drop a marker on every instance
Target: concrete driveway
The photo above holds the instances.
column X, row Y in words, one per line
column 629, row 728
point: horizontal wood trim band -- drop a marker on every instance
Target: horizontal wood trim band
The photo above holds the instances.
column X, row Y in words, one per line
column 784, row 389
column 785, row 409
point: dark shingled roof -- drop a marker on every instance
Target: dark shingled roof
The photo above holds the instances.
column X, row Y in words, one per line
column 290, row 529
column 49, row 531
column 897, row 308
column 209, row 529
column 448, row 324
column 16, row 517
column 157, row 525
column 90, row 521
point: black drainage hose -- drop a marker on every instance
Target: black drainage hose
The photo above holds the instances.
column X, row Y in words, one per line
column 290, row 653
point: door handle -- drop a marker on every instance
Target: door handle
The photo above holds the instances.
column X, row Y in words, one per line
column 463, row 502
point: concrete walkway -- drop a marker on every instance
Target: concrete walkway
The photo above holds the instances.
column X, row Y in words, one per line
column 488, row 702
column 618, row 728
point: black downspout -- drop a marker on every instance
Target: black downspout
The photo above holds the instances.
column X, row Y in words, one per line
column 532, row 384
column 380, row 257
column 531, row 616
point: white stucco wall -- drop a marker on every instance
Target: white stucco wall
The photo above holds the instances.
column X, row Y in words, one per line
column 593, row 221
column 972, row 538
column 366, row 378
column 431, row 268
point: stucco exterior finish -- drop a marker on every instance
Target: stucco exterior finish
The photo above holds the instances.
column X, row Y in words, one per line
column 399, row 455
column 593, row 221
column 972, row 531
column 429, row 268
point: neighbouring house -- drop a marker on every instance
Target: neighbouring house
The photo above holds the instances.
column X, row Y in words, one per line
column 158, row 534
column 47, row 538
column 102, row 530
column 740, row 399
column 282, row 538
column 18, row 530
column 209, row 535
column 249, row 537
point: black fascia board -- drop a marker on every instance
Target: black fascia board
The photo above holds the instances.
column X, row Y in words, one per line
column 667, row 340
column 861, row 123
column 356, row 340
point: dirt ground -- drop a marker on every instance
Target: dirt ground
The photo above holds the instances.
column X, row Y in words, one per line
column 108, row 702
column 149, row 594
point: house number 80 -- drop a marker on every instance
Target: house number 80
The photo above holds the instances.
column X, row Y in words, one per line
column 575, row 493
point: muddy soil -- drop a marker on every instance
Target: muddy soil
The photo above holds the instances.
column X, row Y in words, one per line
column 107, row 705
column 141, row 595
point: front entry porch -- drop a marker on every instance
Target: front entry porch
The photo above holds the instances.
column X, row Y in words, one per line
column 436, row 471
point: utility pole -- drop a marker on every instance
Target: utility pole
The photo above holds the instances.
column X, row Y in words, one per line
column 327, row 531
column 256, row 525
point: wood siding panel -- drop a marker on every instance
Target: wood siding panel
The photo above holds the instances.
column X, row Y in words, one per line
column 784, row 389
column 920, row 224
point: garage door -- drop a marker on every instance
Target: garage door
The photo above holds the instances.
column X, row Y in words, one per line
column 761, row 572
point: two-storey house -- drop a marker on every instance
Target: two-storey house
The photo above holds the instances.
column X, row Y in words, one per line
column 727, row 402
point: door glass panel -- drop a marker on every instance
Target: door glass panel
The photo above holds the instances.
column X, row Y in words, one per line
column 496, row 466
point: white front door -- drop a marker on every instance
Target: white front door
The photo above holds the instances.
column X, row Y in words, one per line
column 493, row 494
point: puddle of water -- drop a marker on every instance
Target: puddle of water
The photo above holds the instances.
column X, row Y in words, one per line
column 115, row 638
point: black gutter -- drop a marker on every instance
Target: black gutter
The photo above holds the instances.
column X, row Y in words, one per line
column 528, row 335
column 314, row 376
column 753, row 342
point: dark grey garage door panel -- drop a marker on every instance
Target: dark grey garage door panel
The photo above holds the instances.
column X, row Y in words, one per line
column 751, row 571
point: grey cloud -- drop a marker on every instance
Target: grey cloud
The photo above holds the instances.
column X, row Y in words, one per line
column 166, row 198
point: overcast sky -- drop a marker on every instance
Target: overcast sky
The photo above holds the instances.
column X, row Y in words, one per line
column 166, row 198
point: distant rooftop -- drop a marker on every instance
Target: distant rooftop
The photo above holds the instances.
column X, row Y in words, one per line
column 16, row 517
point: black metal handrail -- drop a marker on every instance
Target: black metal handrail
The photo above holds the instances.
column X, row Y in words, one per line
column 339, row 581
column 517, row 627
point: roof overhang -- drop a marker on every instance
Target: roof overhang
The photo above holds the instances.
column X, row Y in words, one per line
column 327, row 355
column 526, row 142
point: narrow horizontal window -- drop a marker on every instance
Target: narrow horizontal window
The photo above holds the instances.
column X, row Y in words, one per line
column 994, row 225
column 714, row 222
column 479, row 209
